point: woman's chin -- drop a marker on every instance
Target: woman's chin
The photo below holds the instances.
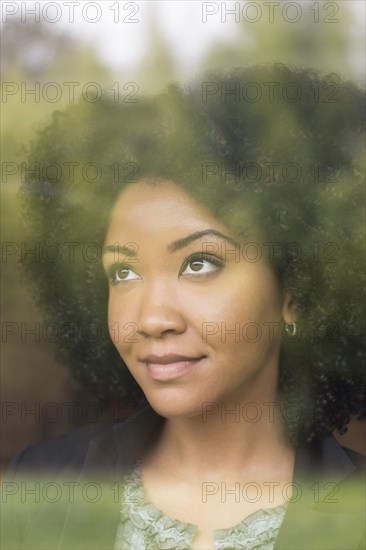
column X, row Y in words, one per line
column 171, row 406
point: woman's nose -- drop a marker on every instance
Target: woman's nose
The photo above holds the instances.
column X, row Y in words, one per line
column 159, row 311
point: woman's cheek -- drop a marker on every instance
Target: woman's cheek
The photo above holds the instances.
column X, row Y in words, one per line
column 115, row 323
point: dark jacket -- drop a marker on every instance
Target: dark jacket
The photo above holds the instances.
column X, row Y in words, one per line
column 327, row 512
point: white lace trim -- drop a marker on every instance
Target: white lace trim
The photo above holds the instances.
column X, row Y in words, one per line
column 145, row 527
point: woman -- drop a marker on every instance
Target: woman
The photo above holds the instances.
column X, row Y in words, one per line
column 226, row 236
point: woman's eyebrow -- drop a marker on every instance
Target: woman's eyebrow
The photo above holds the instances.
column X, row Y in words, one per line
column 181, row 243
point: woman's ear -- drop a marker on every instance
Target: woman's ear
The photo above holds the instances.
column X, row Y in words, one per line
column 289, row 308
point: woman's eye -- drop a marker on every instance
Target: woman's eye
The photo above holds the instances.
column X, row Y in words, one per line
column 201, row 265
column 121, row 274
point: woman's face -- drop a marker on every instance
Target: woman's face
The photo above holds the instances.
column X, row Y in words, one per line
column 195, row 322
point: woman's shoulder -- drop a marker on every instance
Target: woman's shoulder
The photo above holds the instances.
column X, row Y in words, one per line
column 96, row 445
column 54, row 453
column 358, row 459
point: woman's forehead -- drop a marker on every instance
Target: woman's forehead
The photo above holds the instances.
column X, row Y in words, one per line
column 165, row 208
column 163, row 204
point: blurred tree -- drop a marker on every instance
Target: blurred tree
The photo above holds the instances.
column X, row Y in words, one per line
column 322, row 38
column 33, row 56
column 158, row 66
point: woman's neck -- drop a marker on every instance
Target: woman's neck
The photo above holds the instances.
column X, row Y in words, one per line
column 225, row 441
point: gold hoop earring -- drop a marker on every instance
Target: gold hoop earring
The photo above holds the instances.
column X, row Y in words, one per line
column 291, row 329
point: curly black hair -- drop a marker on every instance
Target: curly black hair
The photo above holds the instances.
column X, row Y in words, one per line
column 269, row 146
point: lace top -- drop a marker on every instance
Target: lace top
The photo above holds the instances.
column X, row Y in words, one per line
column 144, row 527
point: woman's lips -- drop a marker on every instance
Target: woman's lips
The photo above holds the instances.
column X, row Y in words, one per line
column 167, row 367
